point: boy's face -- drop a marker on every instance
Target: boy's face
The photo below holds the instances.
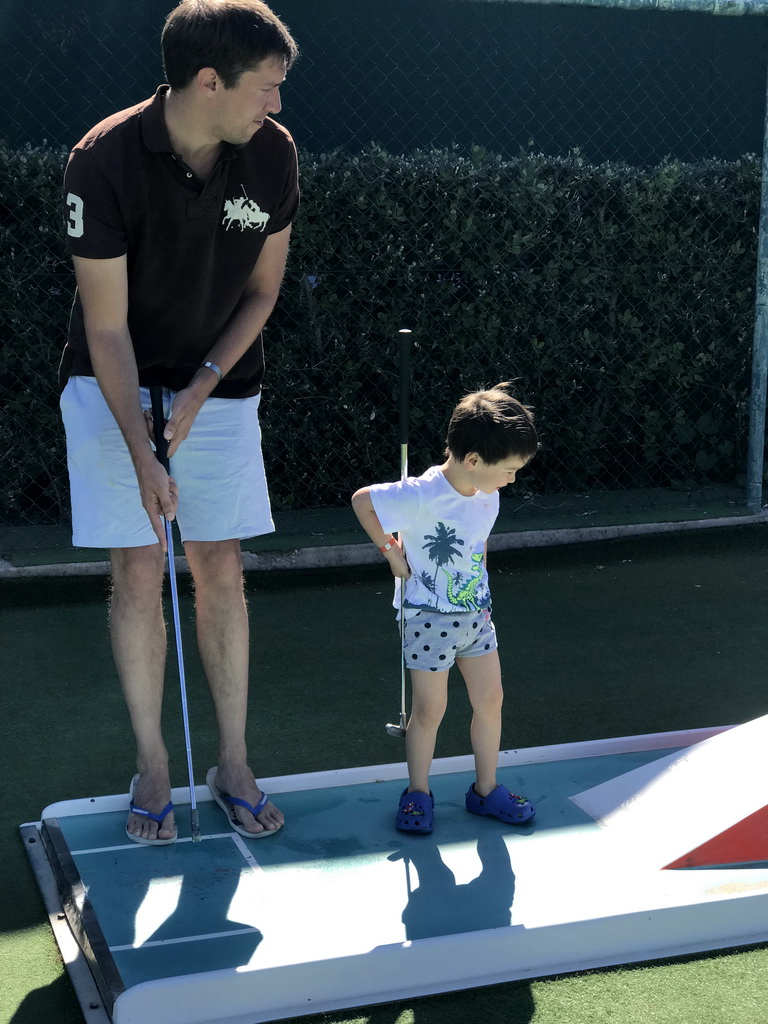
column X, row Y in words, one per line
column 492, row 476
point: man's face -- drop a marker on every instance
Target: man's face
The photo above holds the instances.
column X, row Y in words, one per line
column 492, row 476
column 241, row 111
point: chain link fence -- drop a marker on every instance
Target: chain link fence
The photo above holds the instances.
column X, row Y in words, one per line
column 563, row 197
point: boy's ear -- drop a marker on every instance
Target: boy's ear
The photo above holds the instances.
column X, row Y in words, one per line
column 471, row 461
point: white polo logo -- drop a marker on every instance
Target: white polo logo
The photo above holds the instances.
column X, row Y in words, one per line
column 245, row 213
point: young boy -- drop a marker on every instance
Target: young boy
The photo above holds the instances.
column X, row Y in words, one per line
column 443, row 519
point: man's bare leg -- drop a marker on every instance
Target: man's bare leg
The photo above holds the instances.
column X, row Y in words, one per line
column 222, row 635
column 137, row 631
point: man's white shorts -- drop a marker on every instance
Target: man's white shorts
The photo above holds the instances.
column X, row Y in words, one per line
column 219, row 470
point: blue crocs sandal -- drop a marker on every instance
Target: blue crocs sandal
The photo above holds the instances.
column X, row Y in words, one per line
column 415, row 812
column 506, row 806
column 159, row 818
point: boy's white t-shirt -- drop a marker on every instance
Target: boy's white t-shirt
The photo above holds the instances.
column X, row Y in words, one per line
column 444, row 534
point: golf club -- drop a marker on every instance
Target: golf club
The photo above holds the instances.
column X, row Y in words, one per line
column 161, row 450
column 405, row 379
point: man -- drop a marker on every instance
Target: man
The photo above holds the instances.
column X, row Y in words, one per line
column 179, row 212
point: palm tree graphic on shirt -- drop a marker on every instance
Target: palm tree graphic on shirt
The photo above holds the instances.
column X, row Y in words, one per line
column 441, row 548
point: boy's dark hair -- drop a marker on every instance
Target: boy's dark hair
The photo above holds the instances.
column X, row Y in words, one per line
column 231, row 36
column 494, row 425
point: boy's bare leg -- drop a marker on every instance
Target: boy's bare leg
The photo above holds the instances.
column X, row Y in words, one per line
column 137, row 632
column 222, row 636
column 429, row 698
column 483, row 678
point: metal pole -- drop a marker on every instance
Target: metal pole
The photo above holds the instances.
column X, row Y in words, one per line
column 756, row 450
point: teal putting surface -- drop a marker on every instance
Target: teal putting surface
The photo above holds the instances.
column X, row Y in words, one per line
column 335, row 872
column 340, row 909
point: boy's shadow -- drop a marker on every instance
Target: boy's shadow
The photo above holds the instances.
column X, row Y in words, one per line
column 437, row 905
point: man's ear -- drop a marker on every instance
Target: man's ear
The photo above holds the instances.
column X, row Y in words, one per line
column 208, row 80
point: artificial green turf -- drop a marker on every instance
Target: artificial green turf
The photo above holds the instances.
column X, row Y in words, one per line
column 628, row 637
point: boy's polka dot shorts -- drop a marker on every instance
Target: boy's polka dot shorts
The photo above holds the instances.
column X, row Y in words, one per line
column 432, row 641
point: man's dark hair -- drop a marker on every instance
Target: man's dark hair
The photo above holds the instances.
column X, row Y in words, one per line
column 231, row 36
column 492, row 424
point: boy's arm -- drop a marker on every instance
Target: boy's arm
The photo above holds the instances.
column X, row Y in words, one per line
column 366, row 514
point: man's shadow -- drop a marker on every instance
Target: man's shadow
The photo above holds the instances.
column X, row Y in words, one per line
column 210, row 883
column 187, row 893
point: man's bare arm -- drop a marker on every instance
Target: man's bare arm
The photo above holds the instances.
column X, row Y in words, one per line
column 259, row 298
column 103, row 289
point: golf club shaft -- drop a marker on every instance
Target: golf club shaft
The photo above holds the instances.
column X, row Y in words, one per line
column 161, row 450
column 404, row 400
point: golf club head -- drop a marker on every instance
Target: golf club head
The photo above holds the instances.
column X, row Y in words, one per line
column 395, row 730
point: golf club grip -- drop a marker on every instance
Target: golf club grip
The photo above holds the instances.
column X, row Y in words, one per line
column 158, row 422
column 405, row 383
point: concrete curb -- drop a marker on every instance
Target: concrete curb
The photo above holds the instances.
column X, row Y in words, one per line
column 334, row 556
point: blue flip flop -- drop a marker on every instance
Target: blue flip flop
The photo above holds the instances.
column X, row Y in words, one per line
column 501, row 804
column 159, row 818
column 227, row 803
column 415, row 812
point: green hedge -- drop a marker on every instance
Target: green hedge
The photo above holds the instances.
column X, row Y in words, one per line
column 620, row 299
column 36, row 284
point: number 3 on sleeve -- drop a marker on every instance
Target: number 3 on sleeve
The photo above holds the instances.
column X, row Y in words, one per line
column 75, row 224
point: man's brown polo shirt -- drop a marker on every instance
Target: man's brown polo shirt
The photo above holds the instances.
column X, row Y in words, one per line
column 191, row 247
